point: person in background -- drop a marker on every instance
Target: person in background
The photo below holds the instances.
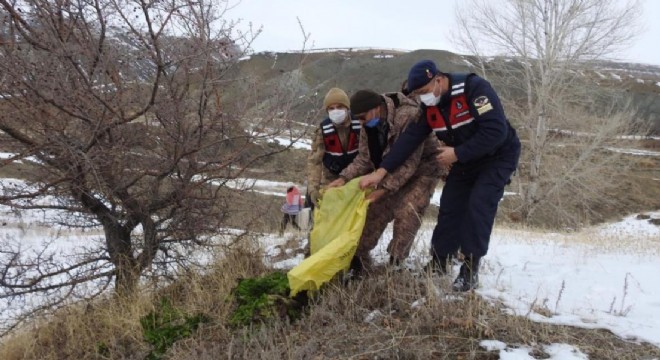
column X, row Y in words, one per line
column 335, row 145
column 482, row 150
column 291, row 208
column 405, row 194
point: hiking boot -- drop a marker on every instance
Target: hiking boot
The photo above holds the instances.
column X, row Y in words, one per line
column 357, row 267
column 360, row 266
column 437, row 265
column 356, row 270
column 468, row 276
column 397, row 264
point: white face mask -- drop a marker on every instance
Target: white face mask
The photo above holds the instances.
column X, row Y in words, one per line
column 429, row 99
column 337, row 115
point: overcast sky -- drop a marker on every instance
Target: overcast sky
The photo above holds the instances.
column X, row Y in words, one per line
column 406, row 24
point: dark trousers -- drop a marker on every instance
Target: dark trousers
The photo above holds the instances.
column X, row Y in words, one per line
column 285, row 220
column 468, row 206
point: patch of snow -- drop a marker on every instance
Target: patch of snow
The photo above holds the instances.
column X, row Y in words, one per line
column 491, row 345
column 266, row 187
column 7, row 156
column 615, row 76
column 657, row 84
column 344, row 49
column 383, row 56
column 600, row 75
column 599, row 278
column 556, row 352
column 586, row 134
column 637, row 152
column 289, row 263
column 575, row 284
column 631, row 226
column 273, row 250
column 418, row 303
column 640, row 81
column 564, row 352
column 244, row 58
column 304, row 124
column 372, row 316
column 303, row 144
column 638, row 137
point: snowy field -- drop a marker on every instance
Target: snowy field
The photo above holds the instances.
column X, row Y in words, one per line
column 601, row 277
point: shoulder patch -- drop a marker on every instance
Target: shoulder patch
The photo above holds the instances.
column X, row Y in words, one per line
column 480, row 101
column 482, row 104
column 485, row 108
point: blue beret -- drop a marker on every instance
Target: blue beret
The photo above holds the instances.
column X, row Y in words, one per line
column 421, row 73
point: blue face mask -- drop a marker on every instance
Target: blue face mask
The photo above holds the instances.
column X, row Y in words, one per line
column 372, row 123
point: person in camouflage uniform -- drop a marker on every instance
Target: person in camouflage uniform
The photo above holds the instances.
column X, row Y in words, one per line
column 334, row 146
column 406, row 193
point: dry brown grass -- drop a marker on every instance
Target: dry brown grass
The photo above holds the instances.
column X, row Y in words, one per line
column 444, row 326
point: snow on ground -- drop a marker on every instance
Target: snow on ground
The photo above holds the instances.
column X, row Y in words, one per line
column 265, row 187
column 638, row 152
column 31, row 231
column 588, row 134
column 304, row 144
column 6, row 156
column 556, row 351
column 601, row 277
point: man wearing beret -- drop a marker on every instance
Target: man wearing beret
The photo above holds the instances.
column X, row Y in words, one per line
column 405, row 194
column 482, row 149
column 335, row 144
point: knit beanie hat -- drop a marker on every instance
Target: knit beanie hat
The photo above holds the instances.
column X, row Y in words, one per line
column 420, row 74
column 365, row 100
column 336, row 96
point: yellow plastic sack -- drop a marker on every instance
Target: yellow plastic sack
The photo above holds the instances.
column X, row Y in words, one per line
column 338, row 223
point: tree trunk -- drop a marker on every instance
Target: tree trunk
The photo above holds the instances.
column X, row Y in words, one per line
column 118, row 240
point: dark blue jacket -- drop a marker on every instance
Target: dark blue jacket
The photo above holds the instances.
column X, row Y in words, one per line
column 478, row 136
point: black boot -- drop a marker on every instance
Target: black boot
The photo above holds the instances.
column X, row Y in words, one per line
column 356, row 269
column 394, row 261
column 397, row 264
column 437, row 265
column 468, row 276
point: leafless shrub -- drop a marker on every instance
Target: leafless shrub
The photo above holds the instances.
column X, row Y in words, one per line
column 120, row 107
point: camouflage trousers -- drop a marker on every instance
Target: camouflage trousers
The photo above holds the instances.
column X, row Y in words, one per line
column 406, row 208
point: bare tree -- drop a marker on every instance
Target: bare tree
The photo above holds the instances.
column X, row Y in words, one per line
column 545, row 50
column 117, row 109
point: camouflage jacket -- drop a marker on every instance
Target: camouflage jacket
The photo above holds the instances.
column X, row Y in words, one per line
column 422, row 162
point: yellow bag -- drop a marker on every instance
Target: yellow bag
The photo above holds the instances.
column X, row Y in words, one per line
column 338, row 223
